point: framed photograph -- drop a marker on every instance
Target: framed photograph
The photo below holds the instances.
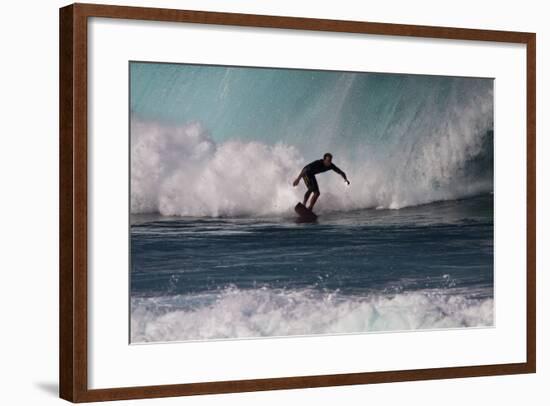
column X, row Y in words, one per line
column 252, row 202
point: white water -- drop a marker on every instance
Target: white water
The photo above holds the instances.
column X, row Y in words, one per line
column 235, row 313
column 182, row 171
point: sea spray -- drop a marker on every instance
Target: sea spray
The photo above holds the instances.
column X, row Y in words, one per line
column 182, row 171
column 236, row 313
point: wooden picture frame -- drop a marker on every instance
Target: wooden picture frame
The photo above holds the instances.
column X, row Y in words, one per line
column 73, row 199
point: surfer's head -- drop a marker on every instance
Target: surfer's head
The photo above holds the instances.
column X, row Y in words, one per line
column 327, row 159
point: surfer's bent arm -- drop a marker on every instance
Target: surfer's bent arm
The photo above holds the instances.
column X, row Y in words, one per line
column 300, row 176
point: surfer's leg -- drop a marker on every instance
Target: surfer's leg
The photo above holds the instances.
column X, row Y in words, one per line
column 307, row 181
column 306, row 196
column 313, row 200
column 314, row 187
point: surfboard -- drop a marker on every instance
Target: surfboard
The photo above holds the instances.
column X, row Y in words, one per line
column 304, row 214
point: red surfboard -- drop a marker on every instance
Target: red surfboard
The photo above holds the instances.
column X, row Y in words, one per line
column 304, row 214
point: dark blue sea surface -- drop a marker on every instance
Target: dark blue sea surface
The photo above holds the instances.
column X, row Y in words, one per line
column 426, row 266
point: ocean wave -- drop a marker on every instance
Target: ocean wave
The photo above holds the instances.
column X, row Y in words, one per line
column 181, row 171
column 228, row 141
column 264, row 312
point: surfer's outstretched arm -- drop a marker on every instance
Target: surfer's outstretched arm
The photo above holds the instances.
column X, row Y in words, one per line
column 340, row 172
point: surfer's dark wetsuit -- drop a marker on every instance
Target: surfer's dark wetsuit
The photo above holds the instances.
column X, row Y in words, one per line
column 315, row 167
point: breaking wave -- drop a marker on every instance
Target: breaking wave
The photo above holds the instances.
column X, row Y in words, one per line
column 235, row 313
column 237, row 138
column 182, row 171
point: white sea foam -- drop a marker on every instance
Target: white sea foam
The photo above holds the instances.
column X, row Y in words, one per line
column 182, row 171
column 234, row 313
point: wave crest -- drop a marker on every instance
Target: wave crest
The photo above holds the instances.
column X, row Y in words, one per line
column 235, row 313
column 182, row 171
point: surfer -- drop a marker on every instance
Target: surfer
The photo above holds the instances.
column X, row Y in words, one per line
column 308, row 174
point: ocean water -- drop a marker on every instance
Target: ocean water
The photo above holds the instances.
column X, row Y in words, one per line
column 216, row 252
column 423, row 267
